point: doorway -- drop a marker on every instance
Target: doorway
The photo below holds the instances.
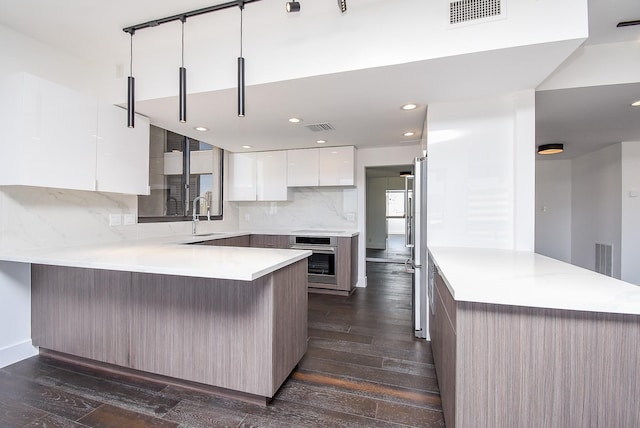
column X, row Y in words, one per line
column 385, row 214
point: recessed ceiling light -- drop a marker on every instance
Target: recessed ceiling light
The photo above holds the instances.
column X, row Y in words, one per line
column 409, row 134
column 247, row 147
column 409, row 107
column 321, row 141
column 636, row 103
column 295, row 120
column 201, row 128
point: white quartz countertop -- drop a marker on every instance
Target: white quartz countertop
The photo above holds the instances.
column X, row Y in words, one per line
column 168, row 255
column 521, row 278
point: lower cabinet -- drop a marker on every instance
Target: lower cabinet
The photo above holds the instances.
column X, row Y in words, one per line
column 236, row 241
column 346, row 269
column 270, row 241
column 442, row 329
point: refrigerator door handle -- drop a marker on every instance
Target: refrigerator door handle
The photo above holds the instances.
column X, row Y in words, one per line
column 409, row 266
column 408, row 214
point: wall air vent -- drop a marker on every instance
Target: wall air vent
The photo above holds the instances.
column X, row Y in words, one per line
column 317, row 127
column 470, row 10
column 604, row 258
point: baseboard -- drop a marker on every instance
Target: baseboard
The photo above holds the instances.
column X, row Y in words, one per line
column 362, row 282
column 18, row 352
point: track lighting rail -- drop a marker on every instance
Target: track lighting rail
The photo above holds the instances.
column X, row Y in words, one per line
column 183, row 16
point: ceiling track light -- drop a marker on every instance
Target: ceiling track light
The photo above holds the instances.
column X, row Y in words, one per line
column 183, row 81
column 342, row 4
column 293, row 6
column 131, row 81
column 183, row 72
column 241, row 68
column 628, row 23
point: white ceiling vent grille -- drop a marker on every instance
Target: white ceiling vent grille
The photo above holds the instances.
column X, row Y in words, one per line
column 317, row 127
column 470, row 10
column 604, row 258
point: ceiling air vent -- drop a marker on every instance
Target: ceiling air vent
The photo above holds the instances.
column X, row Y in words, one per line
column 317, row 127
column 470, row 10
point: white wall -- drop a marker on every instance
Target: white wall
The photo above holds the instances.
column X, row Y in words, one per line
column 376, row 211
column 553, row 209
column 630, row 234
column 595, row 65
column 15, row 312
column 481, row 187
column 596, row 206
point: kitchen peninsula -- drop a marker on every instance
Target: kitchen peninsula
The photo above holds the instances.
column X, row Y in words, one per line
column 520, row 339
column 232, row 318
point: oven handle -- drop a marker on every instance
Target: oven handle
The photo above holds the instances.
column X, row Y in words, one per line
column 324, row 250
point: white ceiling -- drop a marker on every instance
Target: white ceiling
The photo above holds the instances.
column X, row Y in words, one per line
column 363, row 106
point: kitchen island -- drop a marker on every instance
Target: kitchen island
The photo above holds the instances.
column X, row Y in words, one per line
column 523, row 340
column 229, row 318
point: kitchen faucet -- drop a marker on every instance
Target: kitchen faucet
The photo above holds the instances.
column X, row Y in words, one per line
column 195, row 220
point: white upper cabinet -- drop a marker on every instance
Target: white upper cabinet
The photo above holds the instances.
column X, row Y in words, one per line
column 242, row 177
column 303, row 167
column 258, row 176
column 337, row 166
column 122, row 153
column 271, row 176
column 327, row 166
column 53, row 138
column 50, row 134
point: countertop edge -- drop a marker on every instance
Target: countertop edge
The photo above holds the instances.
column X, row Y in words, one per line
column 553, row 285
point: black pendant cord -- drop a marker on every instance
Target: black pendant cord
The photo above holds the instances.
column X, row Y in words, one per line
column 183, row 82
column 131, row 113
column 241, row 69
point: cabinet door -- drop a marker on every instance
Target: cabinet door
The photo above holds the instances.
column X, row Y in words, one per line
column 271, row 176
column 122, row 164
column 270, row 241
column 242, row 177
column 337, row 166
column 302, row 167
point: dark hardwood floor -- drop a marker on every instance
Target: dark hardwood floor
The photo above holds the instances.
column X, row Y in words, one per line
column 363, row 369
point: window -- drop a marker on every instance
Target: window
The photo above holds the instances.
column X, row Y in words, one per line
column 180, row 170
column 395, row 203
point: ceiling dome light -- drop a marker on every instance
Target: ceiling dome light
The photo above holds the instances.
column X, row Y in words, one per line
column 409, row 134
column 295, row 120
column 293, row 6
column 635, row 103
column 550, row 149
column 247, row 147
column 408, row 107
column 201, row 128
column 321, row 141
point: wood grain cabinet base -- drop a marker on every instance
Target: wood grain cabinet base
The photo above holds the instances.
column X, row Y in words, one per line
column 514, row 366
column 238, row 335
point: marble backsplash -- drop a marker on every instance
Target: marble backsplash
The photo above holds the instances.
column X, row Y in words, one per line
column 35, row 217
column 331, row 208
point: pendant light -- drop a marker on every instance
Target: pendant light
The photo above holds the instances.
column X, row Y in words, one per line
column 183, row 80
column 131, row 111
column 241, row 68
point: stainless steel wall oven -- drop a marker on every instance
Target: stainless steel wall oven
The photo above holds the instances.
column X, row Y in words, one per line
column 323, row 260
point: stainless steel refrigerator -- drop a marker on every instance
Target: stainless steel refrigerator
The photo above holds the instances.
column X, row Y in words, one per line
column 416, row 239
